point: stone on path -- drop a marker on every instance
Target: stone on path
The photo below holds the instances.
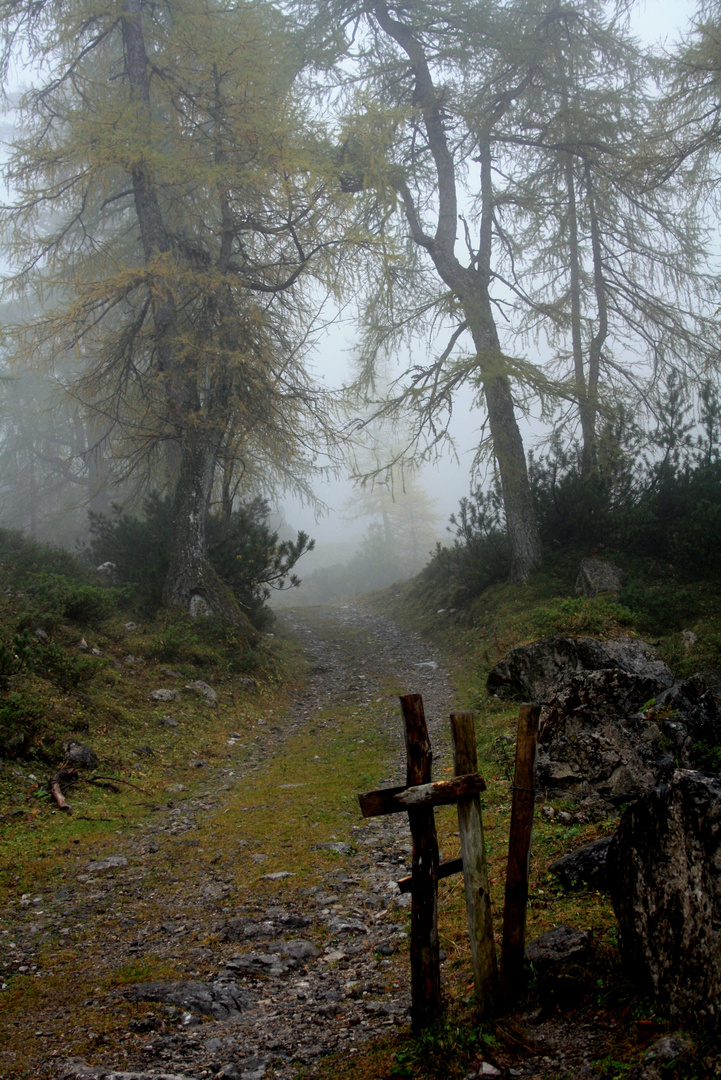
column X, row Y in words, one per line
column 664, row 869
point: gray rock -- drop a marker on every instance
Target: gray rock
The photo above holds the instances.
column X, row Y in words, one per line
column 130, row 626
column 664, row 869
column 338, row 846
column 299, row 949
column 689, row 639
column 82, row 757
column 204, row 689
column 247, row 683
column 531, row 670
column 346, row 926
column 168, row 721
column 687, row 714
column 666, row 1049
column 658, row 1061
column 113, row 862
column 585, row 867
column 561, row 945
column 40, row 634
column 277, row 875
column 74, row 1069
column 217, row 999
column 163, row 695
column 598, row 576
column 106, row 567
column 229, row 1071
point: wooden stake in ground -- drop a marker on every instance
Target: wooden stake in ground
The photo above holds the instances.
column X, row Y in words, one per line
column 418, row 798
column 426, row 1005
column 513, row 950
column 475, row 867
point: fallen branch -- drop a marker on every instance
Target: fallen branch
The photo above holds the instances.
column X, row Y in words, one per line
column 56, row 790
column 118, row 780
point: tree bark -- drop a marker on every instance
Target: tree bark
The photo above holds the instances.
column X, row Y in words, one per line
column 192, row 583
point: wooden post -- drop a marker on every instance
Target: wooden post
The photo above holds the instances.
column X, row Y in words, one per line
column 513, row 950
column 426, row 1005
column 475, row 867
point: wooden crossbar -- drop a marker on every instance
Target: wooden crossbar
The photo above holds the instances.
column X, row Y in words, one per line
column 440, row 793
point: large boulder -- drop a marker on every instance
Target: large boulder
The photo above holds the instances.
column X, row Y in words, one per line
column 598, row 576
column 664, row 870
column 532, row 670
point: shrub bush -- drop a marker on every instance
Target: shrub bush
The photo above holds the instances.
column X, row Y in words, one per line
column 247, row 554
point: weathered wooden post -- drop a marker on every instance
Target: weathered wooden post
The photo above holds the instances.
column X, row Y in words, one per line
column 426, row 1004
column 417, row 798
column 513, row 950
column 475, row 867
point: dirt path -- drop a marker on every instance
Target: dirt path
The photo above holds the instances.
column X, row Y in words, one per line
column 274, row 977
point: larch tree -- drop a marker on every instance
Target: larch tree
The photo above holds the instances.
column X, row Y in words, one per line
column 608, row 267
column 427, row 87
column 167, row 209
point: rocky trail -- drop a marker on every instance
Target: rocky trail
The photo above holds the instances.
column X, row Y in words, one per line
column 270, row 978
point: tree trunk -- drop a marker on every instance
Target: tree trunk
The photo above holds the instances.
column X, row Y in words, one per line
column 192, row 583
column 523, row 535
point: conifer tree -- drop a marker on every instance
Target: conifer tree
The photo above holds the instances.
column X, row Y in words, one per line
column 166, row 213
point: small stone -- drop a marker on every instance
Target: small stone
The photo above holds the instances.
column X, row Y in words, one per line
column 689, row 639
column 41, row 634
column 584, row 866
column 230, row 1072
column 338, row 846
column 129, row 626
column 171, row 673
column 666, row 1049
column 96, row 652
column 386, row 949
column 164, row 695
column 82, row 757
column 82, row 644
column 488, row 1070
column 598, row 576
column 134, row 661
column 278, row 875
column 561, row 945
column 168, row 721
column 299, row 949
column 175, row 787
column 105, row 568
column 204, row 689
column 111, row 863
